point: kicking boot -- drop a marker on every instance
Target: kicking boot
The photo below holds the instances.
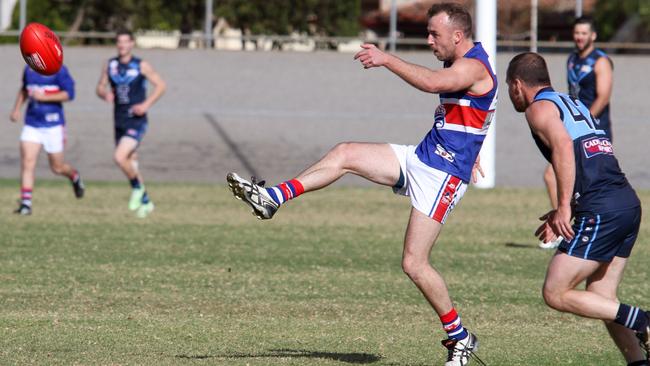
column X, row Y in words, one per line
column 78, row 186
column 23, row 210
column 460, row 351
column 253, row 194
column 136, row 198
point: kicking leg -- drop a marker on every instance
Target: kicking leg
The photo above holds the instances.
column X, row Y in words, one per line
column 605, row 282
column 375, row 162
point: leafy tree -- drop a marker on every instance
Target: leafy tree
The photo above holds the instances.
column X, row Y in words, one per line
column 611, row 15
column 325, row 17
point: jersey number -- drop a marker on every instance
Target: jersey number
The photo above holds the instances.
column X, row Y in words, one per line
column 572, row 105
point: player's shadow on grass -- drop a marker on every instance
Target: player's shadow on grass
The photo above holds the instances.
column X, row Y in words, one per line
column 356, row 358
column 521, row 246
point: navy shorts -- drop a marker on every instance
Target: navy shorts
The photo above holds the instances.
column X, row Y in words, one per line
column 135, row 132
column 601, row 237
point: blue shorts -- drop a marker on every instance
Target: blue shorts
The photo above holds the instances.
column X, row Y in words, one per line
column 601, row 237
column 134, row 132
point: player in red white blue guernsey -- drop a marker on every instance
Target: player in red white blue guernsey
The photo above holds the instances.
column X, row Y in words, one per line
column 589, row 76
column 593, row 191
column 44, row 127
column 434, row 174
column 127, row 77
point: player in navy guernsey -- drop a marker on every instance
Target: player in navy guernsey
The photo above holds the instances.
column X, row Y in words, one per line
column 589, row 77
column 434, row 174
column 44, row 127
column 591, row 190
column 127, row 77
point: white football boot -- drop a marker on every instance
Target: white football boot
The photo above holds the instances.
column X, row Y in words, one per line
column 253, row 194
column 460, row 352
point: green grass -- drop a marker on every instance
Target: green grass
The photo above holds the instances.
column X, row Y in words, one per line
column 203, row 282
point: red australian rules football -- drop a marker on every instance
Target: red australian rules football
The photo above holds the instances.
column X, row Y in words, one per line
column 41, row 49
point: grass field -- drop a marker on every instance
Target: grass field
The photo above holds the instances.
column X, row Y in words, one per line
column 203, row 282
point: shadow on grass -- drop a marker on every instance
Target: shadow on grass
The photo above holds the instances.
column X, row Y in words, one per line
column 521, row 246
column 356, row 358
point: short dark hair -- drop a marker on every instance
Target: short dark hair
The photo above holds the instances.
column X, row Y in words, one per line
column 124, row 32
column 586, row 20
column 530, row 68
column 457, row 15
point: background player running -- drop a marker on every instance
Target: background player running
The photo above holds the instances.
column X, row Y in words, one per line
column 589, row 76
column 592, row 189
column 44, row 126
column 434, row 174
column 127, row 76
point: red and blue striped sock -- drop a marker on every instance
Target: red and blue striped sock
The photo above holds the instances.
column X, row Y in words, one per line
column 286, row 191
column 452, row 325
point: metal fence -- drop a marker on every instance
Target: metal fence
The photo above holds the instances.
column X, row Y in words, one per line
column 295, row 42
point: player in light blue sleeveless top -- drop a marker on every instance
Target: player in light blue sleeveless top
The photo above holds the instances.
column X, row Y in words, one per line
column 593, row 191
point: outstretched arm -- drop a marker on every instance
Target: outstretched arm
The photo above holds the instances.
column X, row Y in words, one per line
column 462, row 75
column 159, row 88
column 544, row 120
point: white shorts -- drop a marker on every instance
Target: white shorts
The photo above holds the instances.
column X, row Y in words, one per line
column 52, row 138
column 432, row 191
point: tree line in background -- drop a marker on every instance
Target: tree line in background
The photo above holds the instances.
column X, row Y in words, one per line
column 315, row 17
column 617, row 20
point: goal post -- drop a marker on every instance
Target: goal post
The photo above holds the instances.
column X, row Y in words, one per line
column 486, row 33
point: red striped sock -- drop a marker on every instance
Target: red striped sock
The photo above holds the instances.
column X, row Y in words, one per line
column 452, row 325
column 286, row 191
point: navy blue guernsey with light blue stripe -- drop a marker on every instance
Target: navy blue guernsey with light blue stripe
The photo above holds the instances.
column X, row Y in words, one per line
column 600, row 185
column 581, row 78
column 130, row 88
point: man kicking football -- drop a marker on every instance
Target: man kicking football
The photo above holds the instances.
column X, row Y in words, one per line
column 434, row 174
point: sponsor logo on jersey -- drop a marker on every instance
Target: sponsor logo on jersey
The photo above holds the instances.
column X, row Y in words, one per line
column 442, row 152
column 132, row 72
column 597, row 146
column 52, row 117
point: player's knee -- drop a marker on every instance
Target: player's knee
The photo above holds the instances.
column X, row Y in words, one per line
column 413, row 267
column 342, row 151
column 120, row 159
column 57, row 168
column 553, row 298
